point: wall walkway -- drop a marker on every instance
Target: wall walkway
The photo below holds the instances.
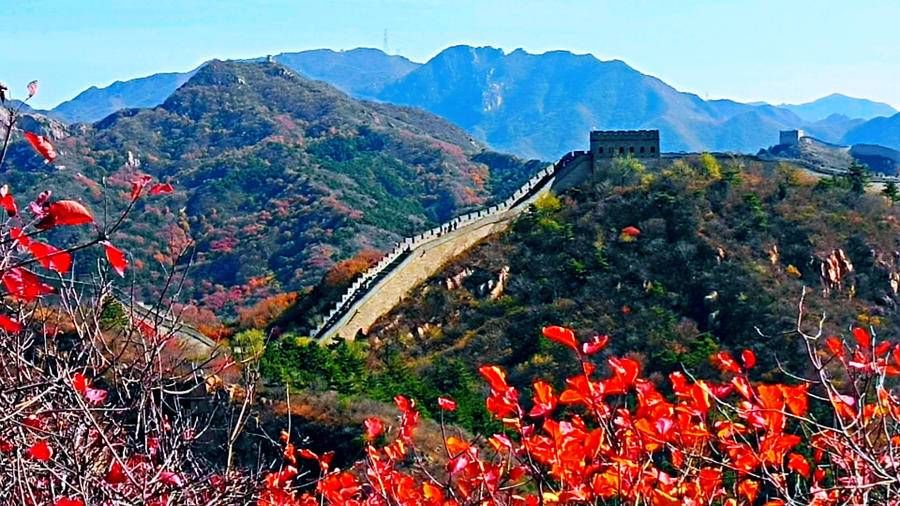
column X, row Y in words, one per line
column 416, row 259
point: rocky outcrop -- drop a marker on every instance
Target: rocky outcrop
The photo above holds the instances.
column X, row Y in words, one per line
column 834, row 270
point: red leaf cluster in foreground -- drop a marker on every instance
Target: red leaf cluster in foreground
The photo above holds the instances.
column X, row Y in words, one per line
column 615, row 438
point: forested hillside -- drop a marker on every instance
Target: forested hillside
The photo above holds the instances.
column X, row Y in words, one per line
column 276, row 178
column 674, row 265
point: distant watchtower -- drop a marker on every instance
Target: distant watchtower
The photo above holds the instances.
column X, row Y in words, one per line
column 608, row 144
column 790, row 137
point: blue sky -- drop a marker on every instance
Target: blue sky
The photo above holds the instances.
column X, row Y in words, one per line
column 777, row 51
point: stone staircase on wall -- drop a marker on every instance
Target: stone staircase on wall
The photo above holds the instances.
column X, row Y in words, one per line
column 417, row 258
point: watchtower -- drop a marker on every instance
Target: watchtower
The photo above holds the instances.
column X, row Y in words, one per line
column 790, row 137
column 636, row 143
column 609, row 144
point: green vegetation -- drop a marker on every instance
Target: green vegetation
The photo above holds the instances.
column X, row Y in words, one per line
column 858, row 177
column 891, row 191
column 305, row 365
column 277, row 178
column 722, row 252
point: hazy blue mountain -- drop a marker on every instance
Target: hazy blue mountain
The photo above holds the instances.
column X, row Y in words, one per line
column 94, row 104
column 753, row 129
column 881, row 131
column 840, row 104
column 833, row 128
column 361, row 72
column 532, row 105
column 543, row 105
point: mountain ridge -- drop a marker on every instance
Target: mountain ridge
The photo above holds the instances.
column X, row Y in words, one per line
column 498, row 97
column 277, row 177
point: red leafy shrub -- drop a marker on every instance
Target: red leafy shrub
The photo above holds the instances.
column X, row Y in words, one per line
column 101, row 401
column 343, row 272
column 607, row 435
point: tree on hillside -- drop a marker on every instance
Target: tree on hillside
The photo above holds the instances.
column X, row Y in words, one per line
column 891, row 191
column 710, row 166
column 623, row 170
column 858, row 177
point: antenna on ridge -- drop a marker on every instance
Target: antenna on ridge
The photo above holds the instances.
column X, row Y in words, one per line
column 385, row 46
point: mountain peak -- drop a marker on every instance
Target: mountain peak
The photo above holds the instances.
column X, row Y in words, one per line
column 851, row 107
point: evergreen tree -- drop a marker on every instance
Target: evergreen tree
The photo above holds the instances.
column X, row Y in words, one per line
column 891, row 191
column 859, row 178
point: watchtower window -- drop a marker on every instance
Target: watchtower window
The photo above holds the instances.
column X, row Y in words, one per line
column 621, row 151
column 643, row 149
column 653, row 149
column 631, row 149
column 601, row 150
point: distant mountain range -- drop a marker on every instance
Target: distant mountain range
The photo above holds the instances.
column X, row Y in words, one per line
column 538, row 105
column 277, row 176
column 836, row 103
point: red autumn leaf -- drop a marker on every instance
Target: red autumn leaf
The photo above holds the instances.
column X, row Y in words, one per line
column 41, row 145
column 495, row 377
column 834, row 346
column 116, row 474
column 68, row 501
column 40, row 451
column 798, row 464
column 626, row 369
column 748, row 358
column 65, row 213
column 844, row 406
column 9, row 325
column 544, row 399
column 80, row 383
column 596, row 344
column 24, row 285
column 562, row 336
column 374, row 428
column 6, row 446
column 33, row 422
column 50, row 257
column 446, row 404
column 863, row 338
column 7, row 201
column 796, row 398
column 161, row 189
column 307, row 454
column 725, row 362
column 138, row 185
column 403, row 404
column 749, row 489
column 116, row 258
column 147, row 330
column 171, row 479
column 882, row 348
column 631, row 231
column 96, row 396
column 710, row 479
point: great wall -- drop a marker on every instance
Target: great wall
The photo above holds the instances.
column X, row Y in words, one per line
column 415, row 259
